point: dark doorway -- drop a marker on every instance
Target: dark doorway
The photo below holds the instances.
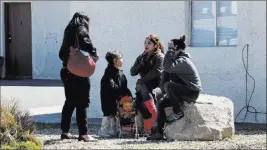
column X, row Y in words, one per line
column 18, row 30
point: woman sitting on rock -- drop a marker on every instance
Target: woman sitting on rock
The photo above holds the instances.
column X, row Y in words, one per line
column 149, row 66
column 180, row 82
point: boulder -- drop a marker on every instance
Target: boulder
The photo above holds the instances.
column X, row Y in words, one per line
column 210, row 118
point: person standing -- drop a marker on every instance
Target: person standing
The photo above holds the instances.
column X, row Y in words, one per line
column 77, row 89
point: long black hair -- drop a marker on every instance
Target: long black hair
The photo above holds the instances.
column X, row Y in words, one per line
column 78, row 19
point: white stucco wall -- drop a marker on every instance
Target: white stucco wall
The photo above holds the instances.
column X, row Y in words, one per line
column 123, row 26
column 221, row 69
column 47, row 33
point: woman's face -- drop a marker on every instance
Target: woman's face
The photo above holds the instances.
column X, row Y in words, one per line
column 149, row 45
column 118, row 62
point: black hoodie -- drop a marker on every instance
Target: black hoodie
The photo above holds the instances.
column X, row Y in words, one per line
column 113, row 85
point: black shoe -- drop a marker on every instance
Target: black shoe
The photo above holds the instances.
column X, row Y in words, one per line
column 173, row 117
column 89, row 139
column 155, row 137
column 144, row 134
column 64, row 136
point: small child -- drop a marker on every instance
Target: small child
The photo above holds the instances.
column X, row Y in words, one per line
column 113, row 86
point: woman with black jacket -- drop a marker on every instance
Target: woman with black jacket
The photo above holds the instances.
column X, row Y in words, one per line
column 149, row 66
column 113, row 86
column 76, row 88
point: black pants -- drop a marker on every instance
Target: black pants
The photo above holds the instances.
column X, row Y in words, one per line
column 77, row 91
column 176, row 95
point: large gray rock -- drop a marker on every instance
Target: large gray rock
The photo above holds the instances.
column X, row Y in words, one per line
column 211, row 118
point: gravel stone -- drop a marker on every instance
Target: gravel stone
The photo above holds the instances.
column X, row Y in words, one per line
column 243, row 139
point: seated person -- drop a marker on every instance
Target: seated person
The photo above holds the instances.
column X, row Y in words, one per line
column 180, row 82
column 149, row 65
column 113, row 86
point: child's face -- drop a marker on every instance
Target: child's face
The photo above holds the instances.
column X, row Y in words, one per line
column 118, row 62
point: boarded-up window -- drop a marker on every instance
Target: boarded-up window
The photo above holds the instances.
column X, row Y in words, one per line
column 214, row 23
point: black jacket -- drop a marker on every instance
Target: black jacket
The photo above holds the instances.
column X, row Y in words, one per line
column 85, row 42
column 113, row 85
column 149, row 68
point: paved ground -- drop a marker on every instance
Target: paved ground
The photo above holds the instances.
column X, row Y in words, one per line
column 32, row 96
column 44, row 97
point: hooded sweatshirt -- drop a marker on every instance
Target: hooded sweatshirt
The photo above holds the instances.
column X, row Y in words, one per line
column 180, row 69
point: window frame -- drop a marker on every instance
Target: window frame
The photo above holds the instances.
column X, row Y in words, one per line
column 189, row 24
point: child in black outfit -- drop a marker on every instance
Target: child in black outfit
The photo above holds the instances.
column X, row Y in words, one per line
column 113, row 86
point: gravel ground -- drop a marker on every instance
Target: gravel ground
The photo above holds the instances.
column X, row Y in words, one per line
column 243, row 139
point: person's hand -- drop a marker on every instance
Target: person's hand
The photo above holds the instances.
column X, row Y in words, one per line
column 95, row 58
column 157, row 93
column 138, row 85
column 172, row 50
column 171, row 45
column 141, row 63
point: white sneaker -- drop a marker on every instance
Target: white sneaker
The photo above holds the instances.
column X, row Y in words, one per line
column 104, row 130
column 113, row 126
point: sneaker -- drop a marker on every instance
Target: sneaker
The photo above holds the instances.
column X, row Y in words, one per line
column 104, row 133
column 104, row 130
column 86, row 138
column 113, row 126
column 144, row 134
column 173, row 117
column 66, row 136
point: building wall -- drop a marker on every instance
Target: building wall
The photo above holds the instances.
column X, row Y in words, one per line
column 123, row 26
column 47, row 29
column 2, row 35
column 221, row 69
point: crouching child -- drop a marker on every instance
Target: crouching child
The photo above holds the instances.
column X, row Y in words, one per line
column 113, row 86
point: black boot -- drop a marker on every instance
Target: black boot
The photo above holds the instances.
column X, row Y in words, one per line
column 156, row 135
